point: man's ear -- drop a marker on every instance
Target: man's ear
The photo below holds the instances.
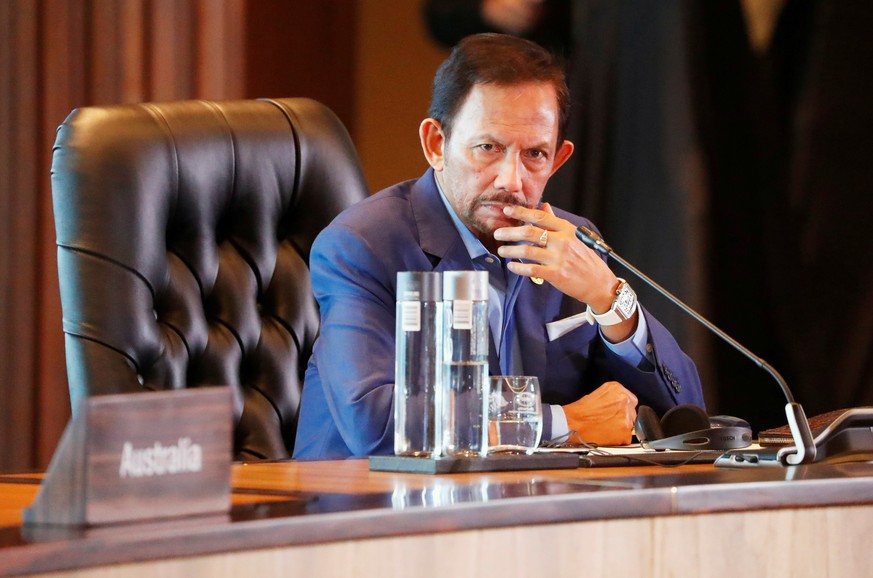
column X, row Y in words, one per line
column 562, row 154
column 432, row 142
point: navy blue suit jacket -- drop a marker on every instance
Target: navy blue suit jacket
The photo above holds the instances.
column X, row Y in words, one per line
column 347, row 407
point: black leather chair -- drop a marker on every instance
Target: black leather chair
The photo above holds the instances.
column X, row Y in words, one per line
column 183, row 234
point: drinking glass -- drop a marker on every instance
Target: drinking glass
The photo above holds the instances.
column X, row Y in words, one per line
column 515, row 414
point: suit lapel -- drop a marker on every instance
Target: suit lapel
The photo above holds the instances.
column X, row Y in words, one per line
column 436, row 231
column 440, row 240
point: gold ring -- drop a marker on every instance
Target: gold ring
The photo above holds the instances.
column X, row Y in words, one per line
column 544, row 239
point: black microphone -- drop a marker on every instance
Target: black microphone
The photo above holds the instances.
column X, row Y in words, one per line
column 804, row 445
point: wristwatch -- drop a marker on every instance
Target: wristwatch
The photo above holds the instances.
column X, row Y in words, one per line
column 623, row 306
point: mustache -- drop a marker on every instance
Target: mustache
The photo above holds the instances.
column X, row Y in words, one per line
column 505, row 199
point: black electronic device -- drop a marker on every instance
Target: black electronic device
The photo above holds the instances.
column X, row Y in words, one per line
column 687, row 427
column 850, row 439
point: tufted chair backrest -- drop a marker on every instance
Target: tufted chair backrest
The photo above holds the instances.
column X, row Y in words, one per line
column 183, row 234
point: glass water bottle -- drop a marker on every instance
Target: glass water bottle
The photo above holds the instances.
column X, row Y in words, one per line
column 465, row 355
column 418, row 363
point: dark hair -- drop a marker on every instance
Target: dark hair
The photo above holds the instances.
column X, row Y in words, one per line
column 495, row 59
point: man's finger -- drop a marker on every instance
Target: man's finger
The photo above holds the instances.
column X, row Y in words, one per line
column 537, row 217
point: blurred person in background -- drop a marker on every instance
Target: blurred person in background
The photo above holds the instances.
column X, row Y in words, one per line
column 724, row 148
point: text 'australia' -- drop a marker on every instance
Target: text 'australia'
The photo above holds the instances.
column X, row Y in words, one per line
column 160, row 460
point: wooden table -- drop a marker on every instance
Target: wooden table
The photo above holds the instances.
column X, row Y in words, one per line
column 340, row 519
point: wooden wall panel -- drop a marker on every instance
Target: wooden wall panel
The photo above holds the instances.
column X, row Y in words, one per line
column 303, row 49
column 172, row 46
column 57, row 55
column 221, row 49
column 19, row 88
column 106, row 60
column 396, row 61
column 133, row 75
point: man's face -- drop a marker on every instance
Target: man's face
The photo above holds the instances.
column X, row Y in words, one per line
column 502, row 151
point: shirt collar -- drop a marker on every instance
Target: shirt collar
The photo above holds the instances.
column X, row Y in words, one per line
column 474, row 246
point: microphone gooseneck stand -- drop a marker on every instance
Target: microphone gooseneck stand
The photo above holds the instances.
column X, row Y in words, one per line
column 804, row 444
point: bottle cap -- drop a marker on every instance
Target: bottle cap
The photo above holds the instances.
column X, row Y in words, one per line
column 465, row 285
column 419, row 286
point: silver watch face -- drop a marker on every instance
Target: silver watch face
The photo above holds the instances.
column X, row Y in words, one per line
column 625, row 301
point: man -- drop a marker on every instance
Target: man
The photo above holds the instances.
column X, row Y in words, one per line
column 494, row 136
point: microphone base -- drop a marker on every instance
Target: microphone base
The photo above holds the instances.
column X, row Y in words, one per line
column 849, row 438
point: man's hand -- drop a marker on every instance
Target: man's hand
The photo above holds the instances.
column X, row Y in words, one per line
column 562, row 260
column 605, row 416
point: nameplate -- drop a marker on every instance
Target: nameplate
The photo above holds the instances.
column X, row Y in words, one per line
column 140, row 456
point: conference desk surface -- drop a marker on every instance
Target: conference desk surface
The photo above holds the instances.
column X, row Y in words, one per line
column 311, row 513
